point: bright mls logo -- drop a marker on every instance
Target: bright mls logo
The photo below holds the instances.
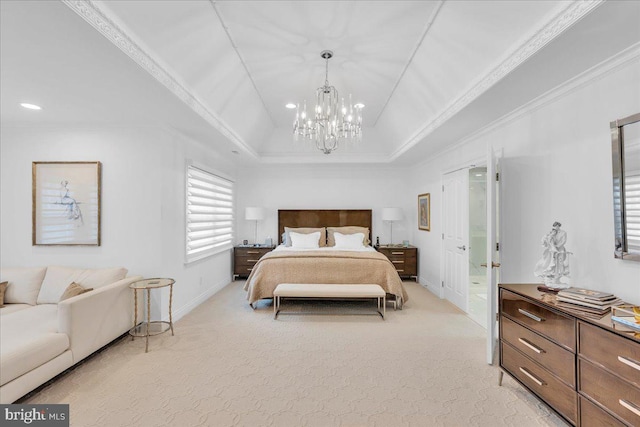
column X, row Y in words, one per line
column 35, row 415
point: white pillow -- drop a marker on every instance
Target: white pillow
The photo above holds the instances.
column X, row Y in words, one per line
column 304, row 241
column 349, row 241
column 58, row 279
column 24, row 284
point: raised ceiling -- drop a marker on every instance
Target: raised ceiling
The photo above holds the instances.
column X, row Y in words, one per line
column 429, row 72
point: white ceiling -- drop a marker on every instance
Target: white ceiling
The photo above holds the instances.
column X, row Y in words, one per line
column 429, row 72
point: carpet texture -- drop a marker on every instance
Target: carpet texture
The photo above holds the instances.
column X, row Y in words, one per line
column 228, row 365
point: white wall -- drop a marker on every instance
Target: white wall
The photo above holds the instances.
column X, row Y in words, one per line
column 556, row 166
column 322, row 187
column 143, row 180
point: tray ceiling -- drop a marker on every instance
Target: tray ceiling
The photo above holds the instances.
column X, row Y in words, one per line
column 416, row 65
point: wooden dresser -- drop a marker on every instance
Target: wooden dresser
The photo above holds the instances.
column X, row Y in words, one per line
column 586, row 370
column 405, row 259
column 244, row 258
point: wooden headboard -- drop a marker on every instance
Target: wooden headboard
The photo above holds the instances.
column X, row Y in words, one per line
column 323, row 218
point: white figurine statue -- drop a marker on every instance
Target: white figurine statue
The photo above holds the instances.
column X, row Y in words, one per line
column 555, row 259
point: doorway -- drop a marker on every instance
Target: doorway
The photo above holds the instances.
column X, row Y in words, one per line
column 477, row 305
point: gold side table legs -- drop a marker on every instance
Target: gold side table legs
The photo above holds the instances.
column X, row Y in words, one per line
column 149, row 328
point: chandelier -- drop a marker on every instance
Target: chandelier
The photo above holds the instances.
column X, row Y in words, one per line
column 332, row 121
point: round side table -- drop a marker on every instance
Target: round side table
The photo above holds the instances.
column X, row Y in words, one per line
column 149, row 328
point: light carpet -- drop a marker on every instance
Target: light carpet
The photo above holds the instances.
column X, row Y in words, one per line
column 229, row 365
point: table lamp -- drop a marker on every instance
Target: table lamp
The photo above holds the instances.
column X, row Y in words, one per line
column 391, row 215
column 254, row 214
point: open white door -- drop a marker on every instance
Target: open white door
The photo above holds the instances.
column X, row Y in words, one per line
column 455, row 187
column 493, row 254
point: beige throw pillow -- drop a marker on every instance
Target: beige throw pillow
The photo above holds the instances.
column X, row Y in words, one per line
column 3, row 287
column 349, row 229
column 73, row 290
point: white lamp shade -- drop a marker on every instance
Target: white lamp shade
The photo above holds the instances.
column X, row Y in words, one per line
column 254, row 214
column 391, row 214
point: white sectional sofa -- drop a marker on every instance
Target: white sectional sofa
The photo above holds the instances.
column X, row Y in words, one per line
column 41, row 336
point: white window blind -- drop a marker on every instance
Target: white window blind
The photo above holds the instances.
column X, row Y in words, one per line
column 209, row 214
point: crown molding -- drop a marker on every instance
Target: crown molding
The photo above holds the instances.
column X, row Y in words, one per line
column 561, row 21
column 97, row 18
column 608, row 66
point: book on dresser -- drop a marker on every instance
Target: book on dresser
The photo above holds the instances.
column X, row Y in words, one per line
column 587, row 300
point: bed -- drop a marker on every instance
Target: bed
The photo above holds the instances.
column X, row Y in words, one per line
column 325, row 264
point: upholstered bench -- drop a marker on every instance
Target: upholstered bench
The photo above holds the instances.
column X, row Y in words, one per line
column 328, row 291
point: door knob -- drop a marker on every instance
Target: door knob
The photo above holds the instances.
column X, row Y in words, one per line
column 463, row 247
column 493, row 264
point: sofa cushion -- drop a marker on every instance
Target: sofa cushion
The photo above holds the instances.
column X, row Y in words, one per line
column 29, row 339
column 58, row 279
column 24, row 284
column 3, row 287
column 12, row 308
column 73, row 290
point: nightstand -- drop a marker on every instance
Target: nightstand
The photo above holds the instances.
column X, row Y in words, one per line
column 245, row 257
column 405, row 259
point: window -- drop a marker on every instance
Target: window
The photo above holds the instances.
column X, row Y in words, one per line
column 209, row 214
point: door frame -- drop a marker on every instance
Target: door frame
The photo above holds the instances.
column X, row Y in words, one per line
column 469, row 164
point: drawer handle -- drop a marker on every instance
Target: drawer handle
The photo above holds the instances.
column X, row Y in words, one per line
column 630, row 406
column 249, row 269
column 530, row 375
column 530, row 315
column 253, row 252
column 252, row 260
column 397, row 269
column 635, row 365
column 531, row 346
column 398, row 262
column 397, row 253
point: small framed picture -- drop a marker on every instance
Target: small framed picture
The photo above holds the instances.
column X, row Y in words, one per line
column 66, row 203
column 424, row 212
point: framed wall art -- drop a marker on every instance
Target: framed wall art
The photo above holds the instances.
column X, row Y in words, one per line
column 424, row 211
column 66, row 203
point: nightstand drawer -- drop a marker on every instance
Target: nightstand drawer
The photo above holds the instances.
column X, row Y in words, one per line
column 404, row 259
column 552, row 325
column 251, row 252
column 245, row 258
column 559, row 361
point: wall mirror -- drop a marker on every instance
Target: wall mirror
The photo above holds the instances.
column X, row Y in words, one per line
column 625, row 149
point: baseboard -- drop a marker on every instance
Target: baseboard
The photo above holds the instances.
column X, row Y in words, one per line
column 185, row 309
column 425, row 283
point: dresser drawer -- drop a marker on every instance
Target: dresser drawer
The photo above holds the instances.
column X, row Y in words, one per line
column 557, row 394
column 559, row 361
column 593, row 416
column 619, row 355
column 555, row 326
column 618, row 396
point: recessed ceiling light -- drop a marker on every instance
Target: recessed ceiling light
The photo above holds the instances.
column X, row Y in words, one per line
column 359, row 105
column 290, row 106
column 30, row 106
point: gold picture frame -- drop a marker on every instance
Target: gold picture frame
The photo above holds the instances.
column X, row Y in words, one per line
column 424, row 212
column 66, row 199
